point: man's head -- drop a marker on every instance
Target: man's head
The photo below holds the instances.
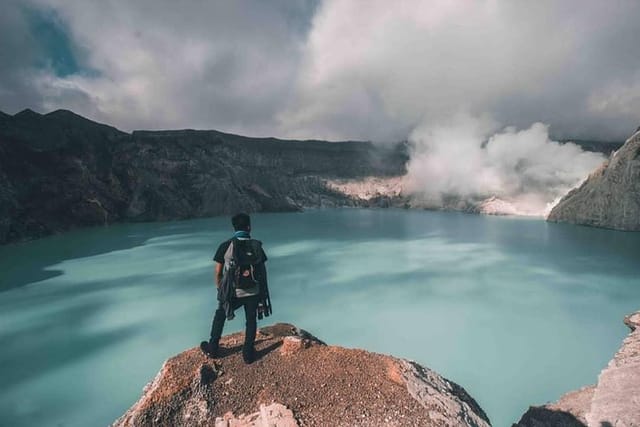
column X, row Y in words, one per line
column 241, row 222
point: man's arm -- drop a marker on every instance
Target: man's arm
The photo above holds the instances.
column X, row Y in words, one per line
column 218, row 274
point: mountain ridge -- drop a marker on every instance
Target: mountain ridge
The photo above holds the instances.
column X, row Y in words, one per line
column 60, row 171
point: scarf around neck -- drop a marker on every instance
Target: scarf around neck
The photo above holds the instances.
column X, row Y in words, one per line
column 242, row 234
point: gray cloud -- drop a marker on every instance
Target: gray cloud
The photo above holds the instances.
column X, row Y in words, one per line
column 572, row 64
column 164, row 64
column 365, row 70
column 17, row 56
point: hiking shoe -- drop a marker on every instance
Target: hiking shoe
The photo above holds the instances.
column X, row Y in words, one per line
column 209, row 349
column 249, row 356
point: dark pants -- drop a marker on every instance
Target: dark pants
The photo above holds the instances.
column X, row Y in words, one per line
column 250, row 311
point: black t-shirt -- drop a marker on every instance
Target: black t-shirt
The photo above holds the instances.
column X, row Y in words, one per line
column 219, row 256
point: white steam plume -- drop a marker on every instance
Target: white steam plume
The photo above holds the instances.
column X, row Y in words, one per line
column 464, row 162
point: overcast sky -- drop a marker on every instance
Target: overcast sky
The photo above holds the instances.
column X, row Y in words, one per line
column 326, row 69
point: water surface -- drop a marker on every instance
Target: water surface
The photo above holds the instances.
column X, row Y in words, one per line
column 517, row 311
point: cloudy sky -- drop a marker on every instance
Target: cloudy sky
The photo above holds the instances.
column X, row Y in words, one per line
column 327, row 69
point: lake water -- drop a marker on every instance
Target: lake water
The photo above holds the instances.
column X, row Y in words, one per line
column 517, row 311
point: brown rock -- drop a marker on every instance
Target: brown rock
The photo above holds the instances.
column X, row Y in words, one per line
column 569, row 411
column 274, row 415
column 291, row 345
column 319, row 385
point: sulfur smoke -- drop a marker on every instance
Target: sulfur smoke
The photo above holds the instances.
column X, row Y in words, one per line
column 464, row 164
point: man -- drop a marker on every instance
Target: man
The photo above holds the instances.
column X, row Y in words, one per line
column 241, row 279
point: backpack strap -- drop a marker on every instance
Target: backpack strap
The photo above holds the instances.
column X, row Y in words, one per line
column 256, row 246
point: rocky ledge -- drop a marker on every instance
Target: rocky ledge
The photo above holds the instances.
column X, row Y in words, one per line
column 298, row 380
column 613, row 402
column 610, row 196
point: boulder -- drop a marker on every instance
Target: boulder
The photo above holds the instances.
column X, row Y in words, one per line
column 299, row 380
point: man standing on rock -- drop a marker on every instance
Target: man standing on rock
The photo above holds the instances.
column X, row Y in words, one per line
column 241, row 279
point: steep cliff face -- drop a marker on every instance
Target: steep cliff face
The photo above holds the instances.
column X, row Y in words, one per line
column 298, row 380
column 610, row 197
column 200, row 173
column 614, row 401
column 60, row 170
column 56, row 171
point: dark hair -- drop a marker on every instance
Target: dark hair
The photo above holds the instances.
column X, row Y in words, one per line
column 241, row 222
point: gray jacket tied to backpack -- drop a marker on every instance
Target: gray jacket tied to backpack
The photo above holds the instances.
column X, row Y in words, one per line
column 251, row 266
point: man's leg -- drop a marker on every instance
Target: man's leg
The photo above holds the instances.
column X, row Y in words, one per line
column 250, row 311
column 216, row 328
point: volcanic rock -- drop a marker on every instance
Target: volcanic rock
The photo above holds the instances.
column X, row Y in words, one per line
column 610, row 196
column 60, row 170
column 613, row 402
column 299, row 380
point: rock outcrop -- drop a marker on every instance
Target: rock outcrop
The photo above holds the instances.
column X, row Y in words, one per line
column 298, row 380
column 610, row 196
column 61, row 170
column 613, row 402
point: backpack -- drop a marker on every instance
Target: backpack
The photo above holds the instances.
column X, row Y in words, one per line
column 246, row 257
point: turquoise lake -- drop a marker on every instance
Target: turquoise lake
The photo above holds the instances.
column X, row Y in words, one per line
column 517, row 311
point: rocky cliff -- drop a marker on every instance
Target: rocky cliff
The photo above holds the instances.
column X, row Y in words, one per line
column 613, row 402
column 60, row 170
column 610, row 196
column 299, row 381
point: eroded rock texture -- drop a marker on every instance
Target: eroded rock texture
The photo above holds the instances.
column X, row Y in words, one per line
column 610, row 196
column 319, row 385
column 613, row 402
column 60, row 170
